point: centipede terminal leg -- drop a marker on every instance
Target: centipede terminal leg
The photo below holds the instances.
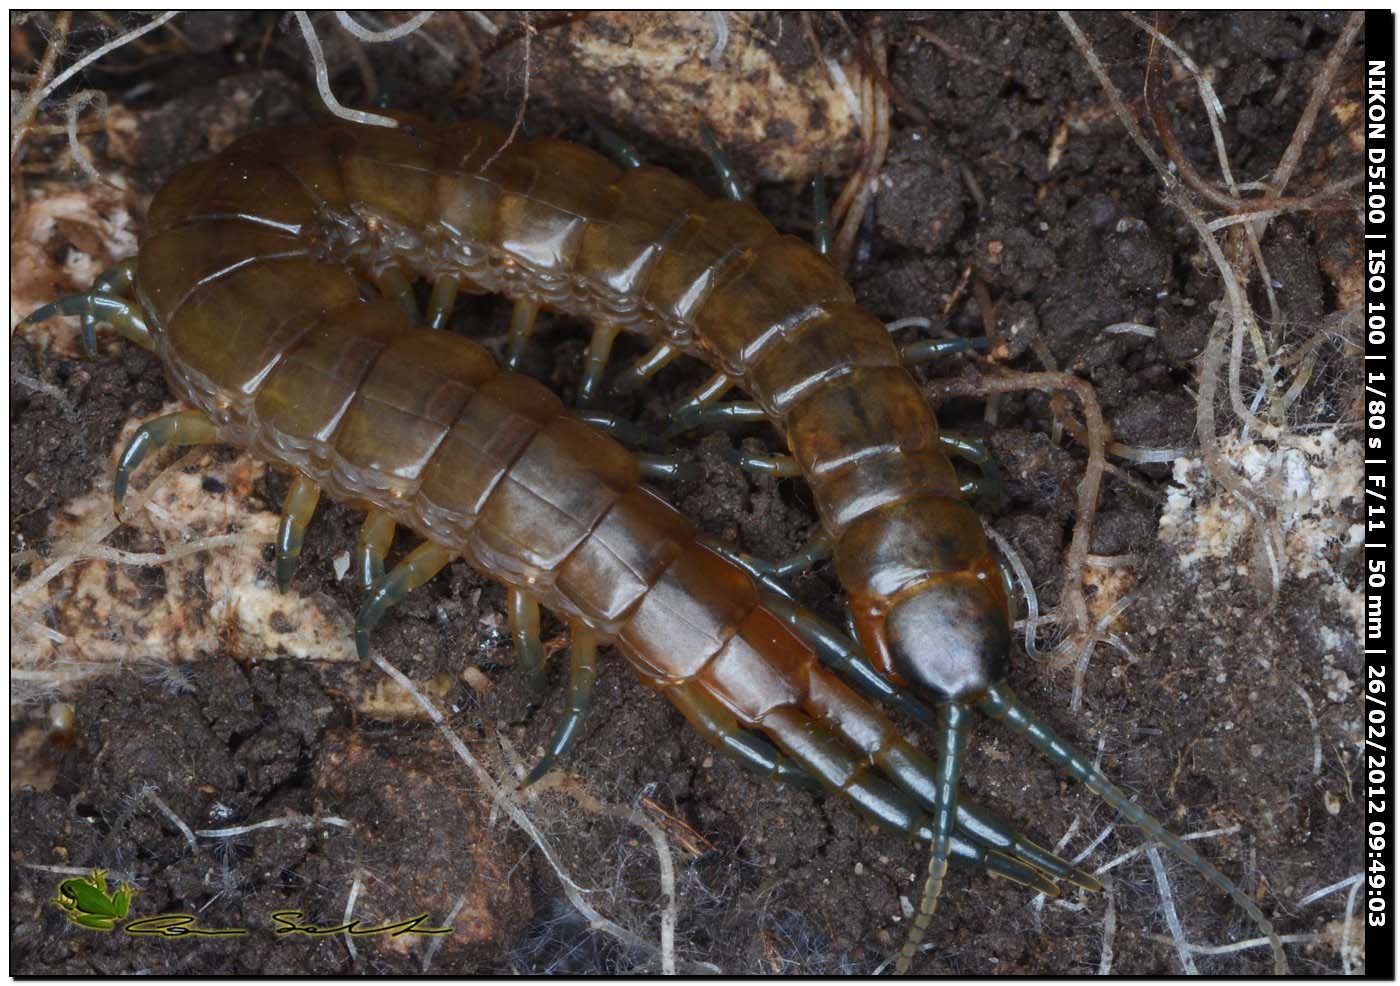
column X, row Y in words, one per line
column 291, row 532
column 422, row 564
column 1000, row 703
column 522, row 326
column 955, row 722
column 372, row 547
column 583, row 670
column 524, row 612
column 179, row 428
column 443, row 300
column 718, row 726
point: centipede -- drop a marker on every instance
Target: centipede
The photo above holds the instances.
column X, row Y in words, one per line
column 250, row 288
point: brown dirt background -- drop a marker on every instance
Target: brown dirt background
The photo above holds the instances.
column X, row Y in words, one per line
column 1204, row 728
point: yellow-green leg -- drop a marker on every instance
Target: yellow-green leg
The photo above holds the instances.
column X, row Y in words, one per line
column 297, row 509
column 524, row 611
column 376, row 537
column 583, row 670
column 522, row 325
column 596, row 361
column 645, row 368
column 392, row 283
column 422, row 564
column 179, row 428
column 443, row 299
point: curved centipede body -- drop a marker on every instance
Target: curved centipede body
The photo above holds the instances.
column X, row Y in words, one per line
column 247, row 281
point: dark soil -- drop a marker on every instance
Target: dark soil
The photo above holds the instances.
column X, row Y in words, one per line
column 1204, row 727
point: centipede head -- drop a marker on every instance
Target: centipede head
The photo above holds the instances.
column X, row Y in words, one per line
column 928, row 598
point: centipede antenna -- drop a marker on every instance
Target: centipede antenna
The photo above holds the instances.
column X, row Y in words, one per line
column 583, row 670
column 955, row 722
column 1000, row 703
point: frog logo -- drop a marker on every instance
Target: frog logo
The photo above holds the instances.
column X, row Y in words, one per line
column 86, row 902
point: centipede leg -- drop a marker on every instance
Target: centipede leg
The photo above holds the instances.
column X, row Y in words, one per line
column 372, row 547
column 522, row 325
column 990, row 487
column 626, row 432
column 524, row 612
column 928, row 350
column 180, row 428
column 443, row 299
column 668, row 468
column 596, row 361
column 1000, row 703
column 703, row 415
column 296, row 515
column 422, row 564
column 728, row 180
column 116, row 281
column 623, row 152
column 122, row 315
column 763, row 465
column 709, row 392
column 583, row 669
column 394, row 284
column 645, row 368
column 821, row 214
